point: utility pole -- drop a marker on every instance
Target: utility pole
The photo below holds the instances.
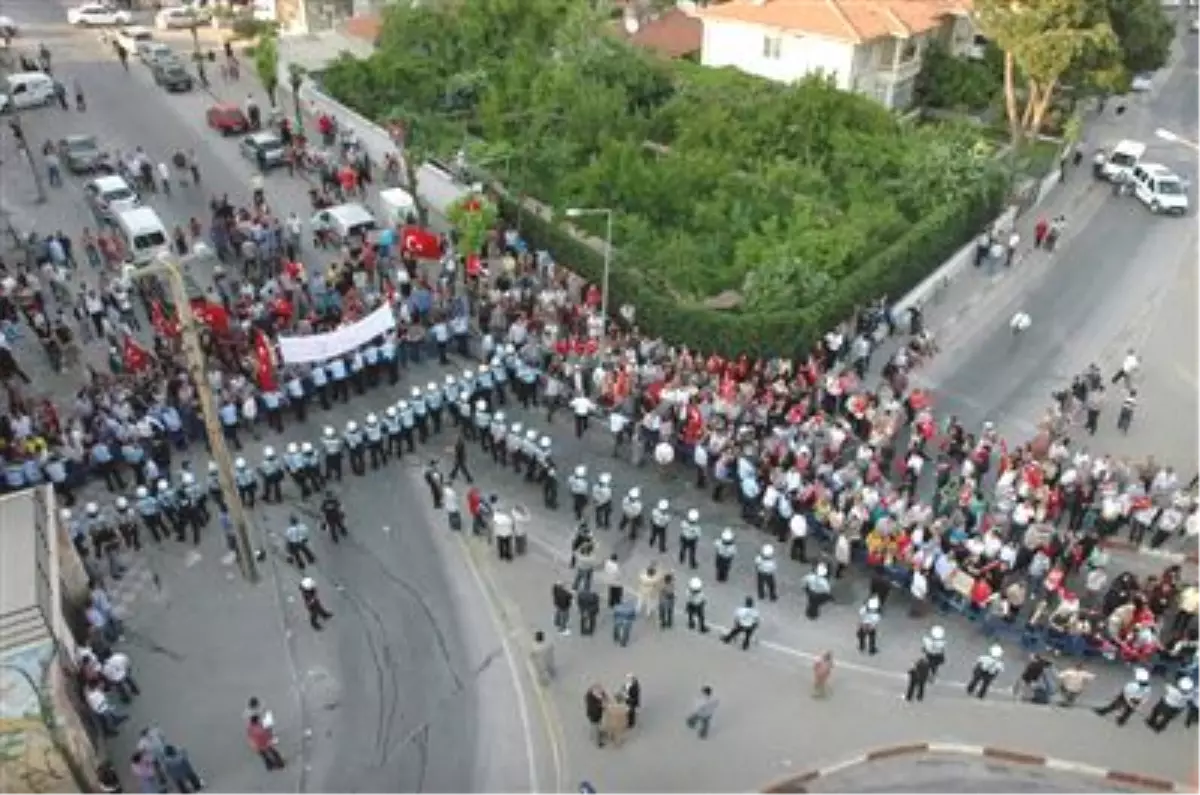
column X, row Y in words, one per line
column 190, row 335
column 19, row 136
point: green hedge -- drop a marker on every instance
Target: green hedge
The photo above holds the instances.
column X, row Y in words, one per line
column 892, row 272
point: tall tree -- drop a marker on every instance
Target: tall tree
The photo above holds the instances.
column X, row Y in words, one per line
column 266, row 64
column 1041, row 40
column 1144, row 33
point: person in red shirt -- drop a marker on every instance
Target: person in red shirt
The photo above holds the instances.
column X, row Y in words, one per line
column 262, row 740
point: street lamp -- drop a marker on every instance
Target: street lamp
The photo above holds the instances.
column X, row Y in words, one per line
column 1174, row 138
column 212, row 426
column 580, row 212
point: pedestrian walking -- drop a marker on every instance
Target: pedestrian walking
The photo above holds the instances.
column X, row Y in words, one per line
column 1125, row 415
column 624, row 614
column 987, row 668
column 632, row 693
column 1129, row 366
column 822, row 669
column 262, row 742
column 541, row 654
column 588, row 603
column 561, row 597
column 1130, row 697
column 143, row 770
column 593, row 705
column 700, row 718
column 666, row 602
column 180, row 771
column 614, row 723
column 611, row 574
column 918, row 677
column 649, row 587
column 1172, row 702
column 868, row 626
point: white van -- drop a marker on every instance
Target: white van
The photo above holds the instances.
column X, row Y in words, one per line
column 1160, row 189
column 26, row 90
column 397, row 205
column 143, row 234
column 1122, row 160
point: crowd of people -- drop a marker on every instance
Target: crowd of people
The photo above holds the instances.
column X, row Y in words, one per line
column 826, row 465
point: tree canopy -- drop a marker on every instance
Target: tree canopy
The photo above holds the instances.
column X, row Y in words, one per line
column 720, row 180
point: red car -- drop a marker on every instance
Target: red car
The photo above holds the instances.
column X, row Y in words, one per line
column 227, row 119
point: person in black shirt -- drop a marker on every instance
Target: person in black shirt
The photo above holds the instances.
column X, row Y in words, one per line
column 1033, row 673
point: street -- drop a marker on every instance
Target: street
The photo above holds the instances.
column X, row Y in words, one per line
column 1123, row 278
column 419, row 682
column 405, row 688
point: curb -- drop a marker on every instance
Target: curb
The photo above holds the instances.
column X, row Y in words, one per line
column 798, row 783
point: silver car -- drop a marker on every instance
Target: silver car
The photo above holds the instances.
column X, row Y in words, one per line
column 264, row 148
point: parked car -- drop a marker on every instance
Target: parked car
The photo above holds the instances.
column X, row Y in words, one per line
column 227, row 119
column 97, row 14
column 26, row 90
column 344, row 221
column 80, row 153
column 1159, row 188
column 263, row 148
column 133, row 38
column 172, row 76
column 181, row 17
column 151, row 52
column 110, row 194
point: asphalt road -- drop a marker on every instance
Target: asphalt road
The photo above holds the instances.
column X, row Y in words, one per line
column 1122, row 279
column 398, row 692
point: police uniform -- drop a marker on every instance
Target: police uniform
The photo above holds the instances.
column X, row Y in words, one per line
column 466, row 389
column 408, row 424
column 336, row 370
column 246, row 482
column 272, row 477
column 933, row 644
column 126, row 522
column 335, row 517
column 295, row 467
column 817, row 591
column 483, row 385
column 151, row 513
column 483, row 422
column 631, row 512
column 527, row 377
column 726, row 549
column 499, row 432
column 393, row 432
column 695, row 604
column 312, row 466
column 421, row 414
column 169, row 505
column 390, row 358
column 296, row 396
column 273, row 406
column 450, row 399
column 1129, row 699
column 689, row 538
column 105, row 542
column 602, row 500
column 354, row 444
column 987, row 668
column 660, row 517
column 465, row 423
column 433, row 400
column 371, row 363
column 333, row 454
column 134, row 455
column 374, row 434
column 499, row 381
column 192, row 500
column 319, row 378
column 1172, row 702
column 544, row 460
column 578, row 486
column 357, row 364
column 529, row 452
column 765, row 566
column 296, row 543
column 745, row 622
column 868, row 626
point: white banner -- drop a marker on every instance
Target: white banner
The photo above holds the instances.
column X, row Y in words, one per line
column 320, row 347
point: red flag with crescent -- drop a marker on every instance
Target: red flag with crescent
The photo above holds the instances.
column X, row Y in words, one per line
column 264, row 362
column 163, row 326
column 211, row 314
column 136, row 358
column 420, row 243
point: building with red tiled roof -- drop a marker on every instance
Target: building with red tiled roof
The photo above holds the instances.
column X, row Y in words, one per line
column 873, row 47
column 672, row 34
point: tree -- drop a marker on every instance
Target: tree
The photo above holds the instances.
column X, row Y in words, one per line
column 1144, row 33
column 1041, row 40
column 473, row 218
column 266, row 64
column 296, row 75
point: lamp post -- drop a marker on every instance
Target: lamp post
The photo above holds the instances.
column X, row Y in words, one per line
column 1175, row 138
column 216, row 438
column 580, row 212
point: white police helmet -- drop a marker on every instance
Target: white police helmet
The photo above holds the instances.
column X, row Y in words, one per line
column 768, row 551
column 634, row 493
column 663, row 505
column 329, row 432
column 480, row 405
column 142, row 493
column 693, row 516
column 873, row 603
column 372, row 419
column 545, row 443
column 605, row 478
column 212, row 466
column 531, row 435
column 162, row 484
column 268, row 452
column 1141, row 675
column 937, row 633
column 306, row 447
column 65, row 515
column 432, row 387
column 996, row 652
column 308, row 584
column 122, row 503
column 92, row 509
column 351, row 426
column 187, row 478
column 240, row 463
column 499, row 417
column 416, row 392
column 293, row 448
column 695, row 584
column 727, row 536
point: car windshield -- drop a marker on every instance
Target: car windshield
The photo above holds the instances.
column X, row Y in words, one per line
column 149, row 240
column 1170, row 187
column 118, row 194
column 269, row 144
column 174, row 71
column 80, row 144
column 1123, row 159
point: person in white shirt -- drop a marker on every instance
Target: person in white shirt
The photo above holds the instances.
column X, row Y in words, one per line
column 116, row 670
column 581, row 407
column 1129, row 366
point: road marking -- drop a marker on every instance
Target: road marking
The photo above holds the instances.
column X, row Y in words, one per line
column 502, row 630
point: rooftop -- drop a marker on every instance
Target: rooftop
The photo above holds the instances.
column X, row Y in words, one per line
column 854, row 21
column 672, row 34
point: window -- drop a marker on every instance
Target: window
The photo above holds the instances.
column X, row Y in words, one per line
column 772, row 47
column 908, row 50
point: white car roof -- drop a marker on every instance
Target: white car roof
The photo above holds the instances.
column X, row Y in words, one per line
column 265, row 137
column 1127, row 147
column 350, row 214
column 1158, row 170
column 111, row 182
column 137, row 30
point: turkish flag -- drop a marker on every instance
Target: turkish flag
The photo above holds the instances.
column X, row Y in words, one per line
column 163, row 326
column 474, row 265
column 265, row 362
column 212, row 315
column 135, row 356
column 283, row 310
column 420, row 243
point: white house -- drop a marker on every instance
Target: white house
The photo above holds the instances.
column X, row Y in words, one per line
column 872, row 47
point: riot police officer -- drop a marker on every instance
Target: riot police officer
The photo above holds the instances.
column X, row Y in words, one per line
column 295, row 467
column 421, row 414
column 660, row 517
column 246, row 482
column 483, row 385
column 764, row 573
column 483, row 421
column 499, row 432
column 335, row 517
column 631, row 512
column 544, row 458
column 393, row 432
column 296, row 396
column 408, row 423
column 602, row 500
column 529, row 451
column 689, row 537
column 127, row 524
column 515, row 443
column 190, row 505
column 151, row 513
column 450, row 398
column 695, row 604
column 354, row 445
column 333, row 453
column 499, row 380
column 169, row 503
column 374, row 434
column 214, row 486
column 578, row 486
column 105, row 542
column 725, row 552
column 311, row 466
column 550, row 486
column 433, row 401
column 390, row 358
column 272, row 476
